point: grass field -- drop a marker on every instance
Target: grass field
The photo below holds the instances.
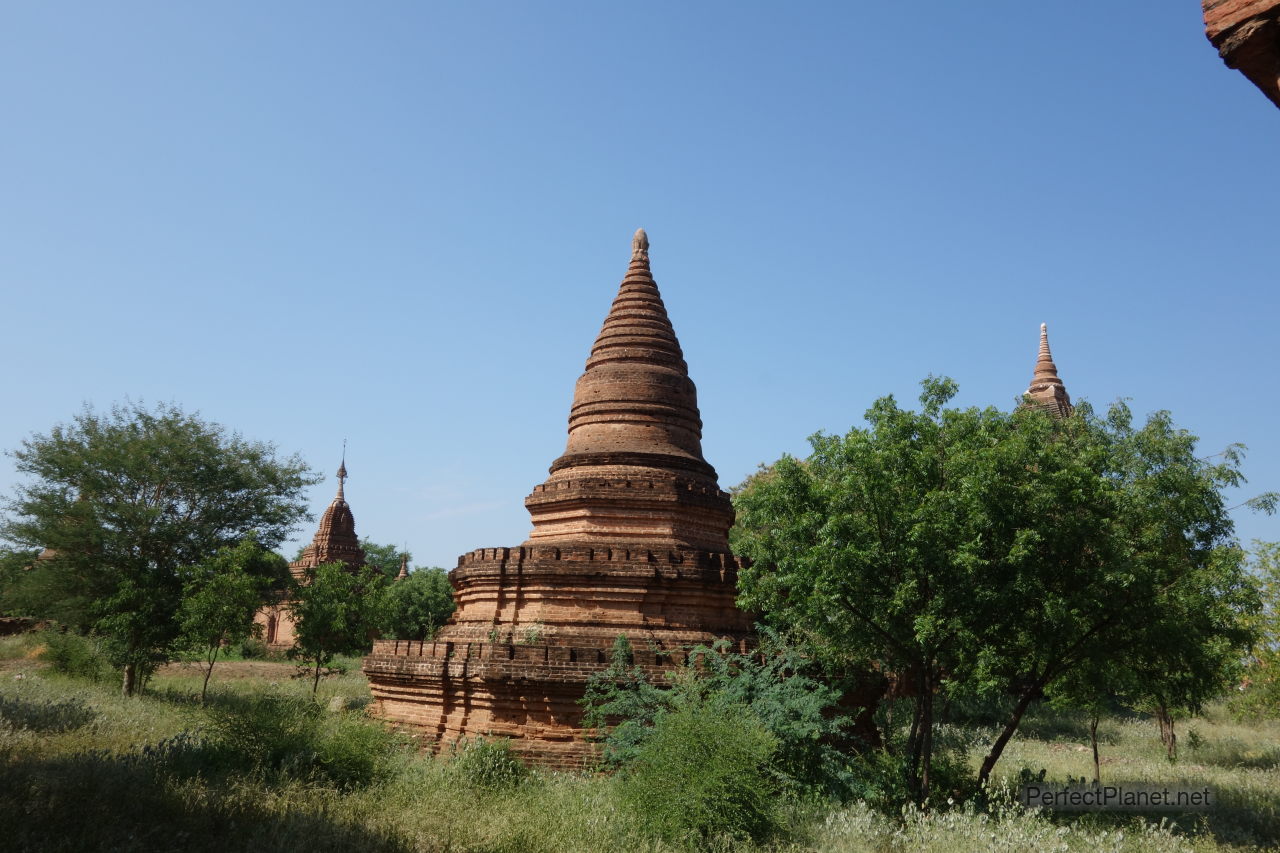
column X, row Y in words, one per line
column 82, row 768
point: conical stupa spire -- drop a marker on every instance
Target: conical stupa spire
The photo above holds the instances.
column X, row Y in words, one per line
column 1046, row 389
column 335, row 539
column 634, row 424
column 635, row 398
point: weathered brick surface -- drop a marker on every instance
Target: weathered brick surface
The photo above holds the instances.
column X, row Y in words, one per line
column 1222, row 15
column 1047, row 390
column 1247, row 36
column 630, row 536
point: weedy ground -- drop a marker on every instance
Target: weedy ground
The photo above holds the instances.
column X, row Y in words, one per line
column 82, row 768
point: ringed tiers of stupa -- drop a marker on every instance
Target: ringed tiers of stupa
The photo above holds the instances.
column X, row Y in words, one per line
column 630, row 536
column 1047, row 390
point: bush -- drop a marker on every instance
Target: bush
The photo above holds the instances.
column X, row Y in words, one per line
column 881, row 779
column 251, row 648
column 76, row 655
column 289, row 737
column 489, row 765
column 782, row 689
column 354, row 752
column 270, row 731
column 48, row 716
column 704, row 776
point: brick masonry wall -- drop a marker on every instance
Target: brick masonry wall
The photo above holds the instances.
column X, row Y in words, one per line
column 1247, row 36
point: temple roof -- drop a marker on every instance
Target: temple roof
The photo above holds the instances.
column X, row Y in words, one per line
column 335, row 539
column 1047, row 390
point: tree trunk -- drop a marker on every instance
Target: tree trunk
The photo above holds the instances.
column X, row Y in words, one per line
column 914, row 742
column 315, row 684
column 926, row 741
column 1167, row 735
column 888, row 727
column 130, row 679
column 210, row 660
column 1093, row 739
column 1009, row 728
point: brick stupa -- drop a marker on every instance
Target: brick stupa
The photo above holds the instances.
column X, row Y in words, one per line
column 630, row 536
column 1047, row 390
column 335, row 542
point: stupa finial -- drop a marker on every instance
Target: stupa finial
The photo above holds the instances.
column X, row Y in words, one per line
column 342, row 469
column 640, row 246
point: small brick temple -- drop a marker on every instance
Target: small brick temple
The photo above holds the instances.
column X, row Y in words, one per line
column 335, row 542
column 630, row 536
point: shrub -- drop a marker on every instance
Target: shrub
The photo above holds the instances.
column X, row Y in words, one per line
column 288, row 736
column 354, row 752
column 76, row 655
column 489, row 765
column 271, row 731
column 48, row 716
column 622, row 706
column 705, row 775
column 251, row 648
column 781, row 688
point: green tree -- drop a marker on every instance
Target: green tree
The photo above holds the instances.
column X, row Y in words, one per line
column 1185, row 652
column 979, row 551
column 335, row 612
column 15, row 564
column 384, row 558
column 418, row 605
column 1260, row 688
column 219, row 601
column 128, row 501
column 774, row 682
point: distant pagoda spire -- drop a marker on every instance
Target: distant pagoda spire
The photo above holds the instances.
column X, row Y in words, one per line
column 1047, row 390
column 342, row 470
column 404, row 566
column 335, row 540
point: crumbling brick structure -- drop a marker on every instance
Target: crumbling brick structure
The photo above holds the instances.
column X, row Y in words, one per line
column 630, row 536
column 1247, row 36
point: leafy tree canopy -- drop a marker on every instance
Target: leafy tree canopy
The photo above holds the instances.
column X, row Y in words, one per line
column 384, row 558
column 222, row 596
column 128, row 501
column 419, row 605
column 1260, row 688
column 774, row 684
column 335, row 612
column 974, row 550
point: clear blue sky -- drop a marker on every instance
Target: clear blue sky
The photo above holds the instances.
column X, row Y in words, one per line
column 402, row 223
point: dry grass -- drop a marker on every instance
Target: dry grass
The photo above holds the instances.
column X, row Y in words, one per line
column 82, row 768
